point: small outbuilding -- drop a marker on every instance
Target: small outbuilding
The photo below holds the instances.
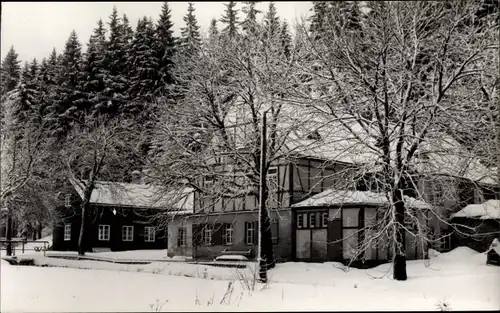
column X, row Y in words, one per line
column 477, row 225
column 332, row 225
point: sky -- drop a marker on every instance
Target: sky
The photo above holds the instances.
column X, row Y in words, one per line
column 35, row 28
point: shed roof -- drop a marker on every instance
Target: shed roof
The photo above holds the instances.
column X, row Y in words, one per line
column 333, row 197
column 484, row 211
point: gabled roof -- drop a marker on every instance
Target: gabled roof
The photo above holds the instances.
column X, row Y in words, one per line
column 333, row 197
column 438, row 154
column 139, row 196
column 484, row 211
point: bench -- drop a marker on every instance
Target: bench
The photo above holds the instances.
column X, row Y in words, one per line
column 247, row 253
column 101, row 250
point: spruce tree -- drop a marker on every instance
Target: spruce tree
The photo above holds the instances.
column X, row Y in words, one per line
column 318, row 19
column 230, row 18
column 10, row 71
column 190, row 35
column 25, row 94
column 272, row 22
column 213, row 31
column 286, row 39
column 143, row 62
column 165, row 47
column 92, row 84
column 115, row 61
column 249, row 24
column 68, row 93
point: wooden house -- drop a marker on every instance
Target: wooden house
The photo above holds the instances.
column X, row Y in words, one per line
column 121, row 217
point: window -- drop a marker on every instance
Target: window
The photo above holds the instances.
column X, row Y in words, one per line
column 67, row 232
column 227, row 234
column 67, row 200
column 207, row 235
column 318, row 219
column 250, row 228
column 181, row 237
column 312, row 220
column 325, row 220
column 149, row 234
column 128, row 233
column 104, row 231
column 209, row 183
column 272, row 186
column 350, row 217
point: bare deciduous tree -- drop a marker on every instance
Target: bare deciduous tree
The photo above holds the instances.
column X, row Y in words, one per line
column 396, row 87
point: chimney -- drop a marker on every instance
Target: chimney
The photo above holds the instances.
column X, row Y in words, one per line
column 136, row 177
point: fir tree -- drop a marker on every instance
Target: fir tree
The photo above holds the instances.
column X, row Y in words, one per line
column 10, row 72
column 143, row 62
column 286, row 39
column 92, row 84
column 213, row 31
column 25, row 93
column 115, row 61
column 249, row 24
column 165, row 47
column 272, row 22
column 319, row 18
column 190, row 35
column 230, row 18
column 68, row 93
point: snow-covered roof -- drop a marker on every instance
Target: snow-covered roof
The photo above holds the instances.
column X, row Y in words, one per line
column 340, row 197
column 138, row 196
column 484, row 211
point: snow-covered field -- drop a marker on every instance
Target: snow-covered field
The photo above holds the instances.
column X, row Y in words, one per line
column 459, row 279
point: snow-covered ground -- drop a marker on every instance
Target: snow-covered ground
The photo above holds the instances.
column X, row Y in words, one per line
column 460, row 279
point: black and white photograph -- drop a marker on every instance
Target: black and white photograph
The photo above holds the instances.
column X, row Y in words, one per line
column 245, row 156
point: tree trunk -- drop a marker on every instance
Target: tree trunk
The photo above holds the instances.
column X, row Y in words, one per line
column 8, row 232
column 39, row 230
column 267, row 241
column 33, row 232
column 399, row 245
column 81, row 237
column 85, row 208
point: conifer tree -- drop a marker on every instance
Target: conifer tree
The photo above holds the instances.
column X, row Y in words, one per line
column 318, row 18
column 69, row 96
column 115, row 62
column 190, row 35
column 272, row 22
column 143, row 62
column 286, row 39
column 92, row 84
column 249, row 24
column 230, row 18
column 10, row 72
column 165, row 47
column 213, row 31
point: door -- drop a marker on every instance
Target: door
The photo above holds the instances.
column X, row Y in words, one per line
column 318, row 244
column 303, row 244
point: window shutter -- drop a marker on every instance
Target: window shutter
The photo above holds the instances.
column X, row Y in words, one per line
column 274, row 232
column 256, row 233
column 197, row 234
column 217, row 234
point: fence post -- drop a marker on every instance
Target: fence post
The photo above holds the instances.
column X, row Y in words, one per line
column 23, row 247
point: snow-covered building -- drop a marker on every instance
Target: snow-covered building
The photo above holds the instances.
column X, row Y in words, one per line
column 122, row 216
column 477, row 225
column 322, row 156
